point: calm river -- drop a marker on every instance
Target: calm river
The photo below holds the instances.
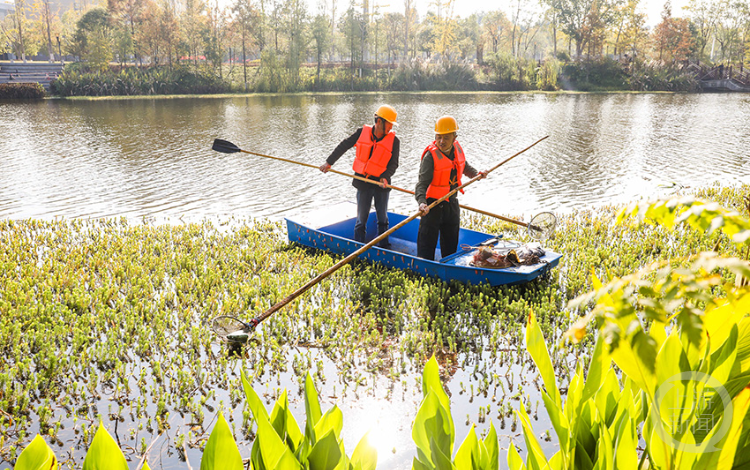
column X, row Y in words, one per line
column 153, row 158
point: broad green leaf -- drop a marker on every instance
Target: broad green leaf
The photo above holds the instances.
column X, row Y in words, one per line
column 536, row 459
column 145, row 466
column 515, row 462
column 332, row 420
column 284, row 423
column 221, row 452
column 253, row 400
column 325, row 454
column 538, row 350
column 272, row 448
column 104, row 453
column 674, row 397
column 719, row 321
column 431, row 422
column 365, row 456
column 605, row 452
column 626, row 456
column 416, row 464
column 493, row 451
column 559, row 421
column 439, row 459
column 468, row 452
column 37, row 456
column 608, row 397
column 312, row 408
column 629, row 358
column 431, row 382
column 598, row 368
column 740, row 406
column 287, row 461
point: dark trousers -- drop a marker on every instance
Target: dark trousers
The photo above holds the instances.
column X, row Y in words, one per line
column 444, row 221
column 365, row 197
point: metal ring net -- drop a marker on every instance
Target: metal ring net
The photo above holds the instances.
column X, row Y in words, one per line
column 542, row 226
column 224, row 325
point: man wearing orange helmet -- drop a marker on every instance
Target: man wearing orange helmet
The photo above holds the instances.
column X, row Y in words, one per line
column 376, row 159
column 443, row 164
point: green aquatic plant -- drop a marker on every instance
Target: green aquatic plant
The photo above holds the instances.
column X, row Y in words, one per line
column 434, row 432
column 280, row 443
column 680, row 333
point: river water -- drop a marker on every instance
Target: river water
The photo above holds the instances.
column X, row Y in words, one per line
column 152, row 158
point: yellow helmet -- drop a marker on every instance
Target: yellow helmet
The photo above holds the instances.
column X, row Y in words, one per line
column 446, row 125
column 388, row 113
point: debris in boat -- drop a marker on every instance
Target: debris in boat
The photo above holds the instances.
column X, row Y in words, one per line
column 526, row 255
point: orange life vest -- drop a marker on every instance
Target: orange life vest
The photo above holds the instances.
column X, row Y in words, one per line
column 373, row 156
column 442, row 166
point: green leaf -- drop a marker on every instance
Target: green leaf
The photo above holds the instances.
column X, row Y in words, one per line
column 253, row 400
column 468, row 452
column 221, row 452
column 538, row 349
column 431, row 382
column 36, row 456
column 416, row 464
column 493, row 451
column 325, row 454
column 312, row 408
column 272, row 448
column 365, row 456
column 104, row 453
column 145, row 466
column 439, row 459
column 536, row 458
column 332, row 420
column 431, row 422
column 515, row 462
column 626, row 456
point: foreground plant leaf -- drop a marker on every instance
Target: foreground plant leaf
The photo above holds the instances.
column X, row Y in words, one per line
column 37, row 456
column 221, row 451
column 104, row 453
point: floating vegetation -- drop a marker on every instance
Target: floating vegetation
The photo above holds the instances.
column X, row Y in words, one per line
column 109, row 320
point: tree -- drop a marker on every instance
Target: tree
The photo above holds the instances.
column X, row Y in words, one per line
column 672, row 38
column 296, row 28
column 349, row 26
column 93, row 37
column 496, row 27
column 704, row 15
column 583, row 21
column 321, row 34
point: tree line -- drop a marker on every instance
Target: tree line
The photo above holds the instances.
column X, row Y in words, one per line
column 280, row 42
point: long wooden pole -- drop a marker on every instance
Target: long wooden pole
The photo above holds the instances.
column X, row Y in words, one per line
column 369, row 245
column 480, row 211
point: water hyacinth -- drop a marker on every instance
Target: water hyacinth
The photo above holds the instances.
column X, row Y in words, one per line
column 109, row 320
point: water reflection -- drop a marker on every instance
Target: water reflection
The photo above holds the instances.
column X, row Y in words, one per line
column 152, row 158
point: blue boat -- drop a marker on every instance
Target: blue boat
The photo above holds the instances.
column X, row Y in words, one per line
column 330, row 229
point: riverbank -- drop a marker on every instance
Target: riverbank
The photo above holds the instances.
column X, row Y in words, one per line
column 507, row 75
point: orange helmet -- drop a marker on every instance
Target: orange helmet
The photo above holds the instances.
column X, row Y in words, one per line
column 388, row 113
column 446, row 125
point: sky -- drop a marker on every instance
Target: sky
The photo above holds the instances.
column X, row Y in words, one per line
column 464, row 8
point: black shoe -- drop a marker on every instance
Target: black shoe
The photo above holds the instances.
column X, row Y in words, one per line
column 386, row 245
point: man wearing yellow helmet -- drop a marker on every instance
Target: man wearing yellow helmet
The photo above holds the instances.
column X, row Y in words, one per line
column 376, row 159
column 443, row 164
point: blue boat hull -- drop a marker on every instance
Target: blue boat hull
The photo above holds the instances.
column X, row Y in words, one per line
column 334, row 237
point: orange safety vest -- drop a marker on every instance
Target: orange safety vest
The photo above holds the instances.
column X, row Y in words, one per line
column 442, row 166
column 373, row 156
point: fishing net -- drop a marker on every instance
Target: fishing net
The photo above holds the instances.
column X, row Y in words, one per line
column 225, row 325
column 542, row 226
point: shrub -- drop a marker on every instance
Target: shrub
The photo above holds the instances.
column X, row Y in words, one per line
column 21, row 91
column 81, row 81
